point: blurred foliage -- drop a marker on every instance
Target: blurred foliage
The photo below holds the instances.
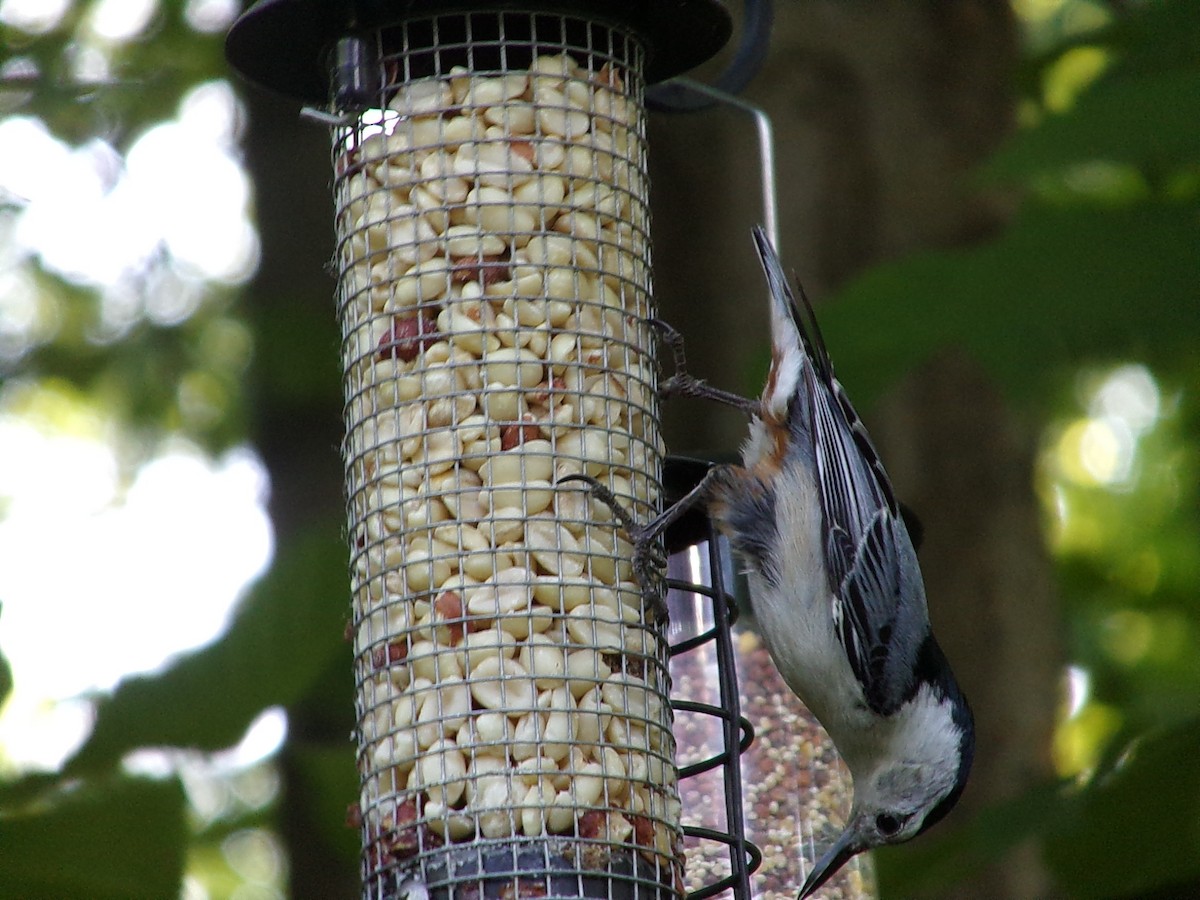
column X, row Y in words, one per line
column 5, row 673
column 1113, row 843
column 1051, row 293
column 176, row 364
column 84, row 85
column 1099, row 268
column 156, row 378
column 164, row 355
column 280, row 642
column 115, row 838
column 1130, row 832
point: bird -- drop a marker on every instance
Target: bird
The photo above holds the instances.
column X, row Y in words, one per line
column 833, row 581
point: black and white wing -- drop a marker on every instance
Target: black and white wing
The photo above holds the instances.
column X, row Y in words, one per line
column 878, row 597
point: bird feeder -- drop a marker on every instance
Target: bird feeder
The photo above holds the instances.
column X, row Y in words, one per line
column 515, row 722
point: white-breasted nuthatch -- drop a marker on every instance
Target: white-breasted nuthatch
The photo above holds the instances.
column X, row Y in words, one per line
column 834, row 584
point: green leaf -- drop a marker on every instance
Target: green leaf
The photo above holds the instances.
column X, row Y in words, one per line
column 1059, row 288
column 1147, row 120
column 287, row 631
column 1139, row 828
column 26, row 789
column 124, row 840
column 6, row 682
column 1157, row 36
column 1141, row 111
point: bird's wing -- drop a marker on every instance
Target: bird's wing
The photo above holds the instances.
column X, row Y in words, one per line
column 863, row 549
column 867, row 550
column 878, row 596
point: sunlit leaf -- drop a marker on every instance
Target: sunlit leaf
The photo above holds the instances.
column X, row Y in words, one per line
column 286, row 633
column 1058, row 288
column 122, row 840
column 1146, row 120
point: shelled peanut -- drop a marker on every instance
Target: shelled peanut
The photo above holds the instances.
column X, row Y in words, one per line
column 493, row 298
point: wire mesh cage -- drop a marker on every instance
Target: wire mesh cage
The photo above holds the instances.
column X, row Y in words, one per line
column 517, row 734
column 494, row 293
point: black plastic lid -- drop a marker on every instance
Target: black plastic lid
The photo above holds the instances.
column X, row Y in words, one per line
column 283, row 45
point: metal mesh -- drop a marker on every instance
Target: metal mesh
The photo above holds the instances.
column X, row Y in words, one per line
column 494, row 290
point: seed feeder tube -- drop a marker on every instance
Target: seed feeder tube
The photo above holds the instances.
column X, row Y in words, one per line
column 494, row 291
column 494, row 299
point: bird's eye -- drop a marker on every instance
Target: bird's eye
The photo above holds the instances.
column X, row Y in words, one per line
column 888, row 824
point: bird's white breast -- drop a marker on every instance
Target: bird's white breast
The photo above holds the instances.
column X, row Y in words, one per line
column 795, row 610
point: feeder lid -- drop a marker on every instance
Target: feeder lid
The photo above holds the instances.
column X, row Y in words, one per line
column 282, row 44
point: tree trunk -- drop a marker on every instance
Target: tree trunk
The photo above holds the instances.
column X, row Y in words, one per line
column 298, row 429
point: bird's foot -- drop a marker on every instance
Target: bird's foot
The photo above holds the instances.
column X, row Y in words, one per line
column 649, row 559
column 683, row 384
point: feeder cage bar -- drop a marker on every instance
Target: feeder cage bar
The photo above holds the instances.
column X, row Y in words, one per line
column 709, row 726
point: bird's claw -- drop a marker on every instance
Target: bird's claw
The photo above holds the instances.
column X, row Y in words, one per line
column 649, row 560
column 680, row 383
column 683, row 384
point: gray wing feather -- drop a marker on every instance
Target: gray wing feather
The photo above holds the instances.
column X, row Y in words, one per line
column 879, row 608
column 879, row 600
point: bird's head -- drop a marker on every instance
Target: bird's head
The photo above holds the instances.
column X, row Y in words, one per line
column 902, row 792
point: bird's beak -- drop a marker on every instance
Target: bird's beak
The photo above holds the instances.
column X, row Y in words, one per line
column 835, row 857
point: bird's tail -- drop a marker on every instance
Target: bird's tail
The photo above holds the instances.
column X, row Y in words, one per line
column 796, row 343
column 794, row 337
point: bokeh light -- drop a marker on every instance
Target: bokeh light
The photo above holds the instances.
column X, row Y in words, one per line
column 105, row 578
